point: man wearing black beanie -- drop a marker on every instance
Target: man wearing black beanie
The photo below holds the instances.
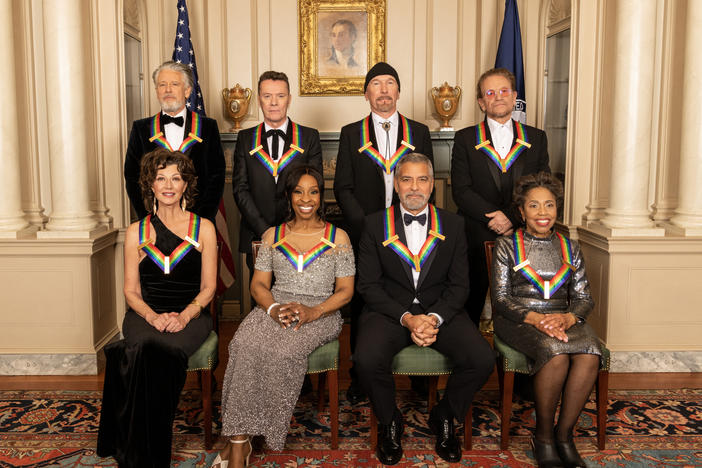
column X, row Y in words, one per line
column 368, row 152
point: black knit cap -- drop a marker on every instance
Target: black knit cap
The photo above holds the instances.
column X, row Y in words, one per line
column 381, row 68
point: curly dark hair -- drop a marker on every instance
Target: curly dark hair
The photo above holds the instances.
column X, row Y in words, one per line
column 158, row 159
column 291, row 182
column 532, row 181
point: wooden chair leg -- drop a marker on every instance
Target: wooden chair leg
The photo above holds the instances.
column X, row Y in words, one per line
column 321, row 377
column 433, row 386
column 601, row 393
column 206, row 391
column 333, row 381
column 468, row 429
column 506, row 406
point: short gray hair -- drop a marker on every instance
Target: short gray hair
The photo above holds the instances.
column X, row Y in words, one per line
column 414, row 158
column 177, row 67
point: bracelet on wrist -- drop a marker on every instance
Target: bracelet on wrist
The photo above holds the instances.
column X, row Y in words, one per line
column 270, row 307
column 199, row 308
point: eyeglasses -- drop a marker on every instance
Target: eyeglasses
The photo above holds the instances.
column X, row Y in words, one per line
column 504, row 92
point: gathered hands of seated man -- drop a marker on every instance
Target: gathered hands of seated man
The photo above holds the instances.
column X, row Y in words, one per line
column 423, row 328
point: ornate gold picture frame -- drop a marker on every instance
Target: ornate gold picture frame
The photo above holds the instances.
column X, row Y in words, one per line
column 339, row 41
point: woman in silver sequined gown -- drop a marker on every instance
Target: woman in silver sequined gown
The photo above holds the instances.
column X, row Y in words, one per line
column 564, row 350
column 300, row 312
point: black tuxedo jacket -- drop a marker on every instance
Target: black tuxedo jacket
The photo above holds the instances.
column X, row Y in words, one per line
column 359, row 186
column 385, row 280
column 476, row 181
column 260, row 199
column 207, row 157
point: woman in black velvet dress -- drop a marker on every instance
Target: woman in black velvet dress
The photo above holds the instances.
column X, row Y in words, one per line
column 169, row 277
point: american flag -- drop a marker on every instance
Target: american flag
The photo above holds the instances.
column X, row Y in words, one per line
column 183, row 53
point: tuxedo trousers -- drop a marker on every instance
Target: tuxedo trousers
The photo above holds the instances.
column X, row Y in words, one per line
column 380, row 337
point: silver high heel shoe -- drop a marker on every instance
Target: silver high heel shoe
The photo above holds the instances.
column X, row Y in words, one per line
column 219, row 463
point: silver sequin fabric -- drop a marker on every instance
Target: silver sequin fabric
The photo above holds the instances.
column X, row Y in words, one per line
column 267, row 364
column 513, row 296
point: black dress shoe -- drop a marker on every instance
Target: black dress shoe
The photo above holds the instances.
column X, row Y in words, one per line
column 354, row 394
column 389, row 449
column 546, row 454
column 569, row 454
column 447, row 445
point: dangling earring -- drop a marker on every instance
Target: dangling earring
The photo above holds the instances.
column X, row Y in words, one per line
column 183, row 203
column 155, row 205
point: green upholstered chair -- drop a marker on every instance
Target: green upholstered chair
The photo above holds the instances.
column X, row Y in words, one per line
column 325, row 362
column 204, row 361
column 511, row 361
column 424, row 361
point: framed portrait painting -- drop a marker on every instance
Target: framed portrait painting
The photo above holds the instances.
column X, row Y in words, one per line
column 339, row 41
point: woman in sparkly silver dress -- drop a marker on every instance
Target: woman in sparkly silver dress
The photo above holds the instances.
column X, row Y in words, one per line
column 542, row 297
column 313, row 266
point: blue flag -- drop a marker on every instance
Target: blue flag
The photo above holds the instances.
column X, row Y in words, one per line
column 509, row 55
column 183, row 53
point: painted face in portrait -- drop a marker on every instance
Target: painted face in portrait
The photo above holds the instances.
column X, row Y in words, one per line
column 274, row 98
column 171, row 91
column 342, row 37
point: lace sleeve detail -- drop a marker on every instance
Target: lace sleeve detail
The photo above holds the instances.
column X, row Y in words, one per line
column 345, row 264
column 264, row 260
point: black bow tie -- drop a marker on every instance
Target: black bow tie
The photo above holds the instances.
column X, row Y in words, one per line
column 166, row 119
column 275, row 132
column 421, row 219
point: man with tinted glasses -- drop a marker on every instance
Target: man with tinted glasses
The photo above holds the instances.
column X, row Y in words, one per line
column 487, row 160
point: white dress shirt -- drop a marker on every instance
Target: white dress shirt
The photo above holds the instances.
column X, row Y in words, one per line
column 386, row 152
column 175, row 134
column 502, row 136
column 416, row 235
column 281, row 141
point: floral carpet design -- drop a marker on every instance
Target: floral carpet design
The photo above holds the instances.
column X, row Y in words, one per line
column 645, row 428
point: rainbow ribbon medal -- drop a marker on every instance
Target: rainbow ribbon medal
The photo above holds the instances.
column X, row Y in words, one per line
column 194, row 136
column 167, row 262
column 298, row 260
column 547, row 287
column 367, row 145
column 484, row 145
column 392, row 240
column 269, row 163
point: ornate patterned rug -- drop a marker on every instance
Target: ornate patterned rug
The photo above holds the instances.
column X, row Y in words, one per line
column 645, row 428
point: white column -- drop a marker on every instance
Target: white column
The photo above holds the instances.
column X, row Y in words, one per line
column 634, row 45
column 68, row 83
column 11, row 216
column 687, row 218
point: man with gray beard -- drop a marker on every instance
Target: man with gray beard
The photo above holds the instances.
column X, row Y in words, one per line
column 413, row 276
column 177, row 129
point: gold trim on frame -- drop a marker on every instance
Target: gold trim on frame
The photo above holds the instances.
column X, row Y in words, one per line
column 311, row 83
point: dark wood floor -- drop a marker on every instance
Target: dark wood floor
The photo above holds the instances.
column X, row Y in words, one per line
column 94, row 382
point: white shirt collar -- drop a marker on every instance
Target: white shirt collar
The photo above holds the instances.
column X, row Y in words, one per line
column 378, row 120
column 424, row 211
column 283, row 127
column 494, row 124
column 179, row 114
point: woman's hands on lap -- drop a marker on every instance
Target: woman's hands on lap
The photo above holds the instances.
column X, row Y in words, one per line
column 553, row 325
column 287, row 314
